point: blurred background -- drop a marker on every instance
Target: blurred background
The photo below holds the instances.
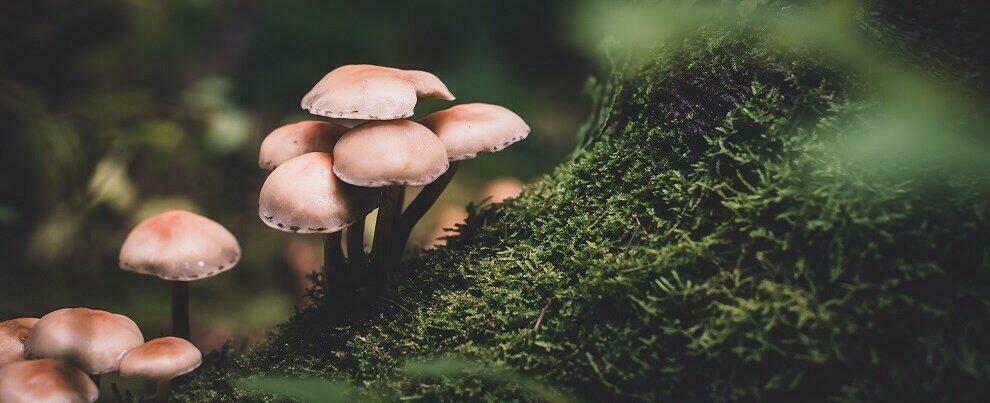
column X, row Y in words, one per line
column 113, row 110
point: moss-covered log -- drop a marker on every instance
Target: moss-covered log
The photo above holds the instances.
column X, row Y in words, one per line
column 704, row 244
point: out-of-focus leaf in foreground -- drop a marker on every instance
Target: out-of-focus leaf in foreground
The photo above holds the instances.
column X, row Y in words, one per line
column 453, row 367
column 306, row 390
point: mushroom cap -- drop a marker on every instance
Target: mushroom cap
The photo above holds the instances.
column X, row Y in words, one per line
column 162, row 359
column 469, row 129
column 180, row 246
column 367, row 92
column 304, row 196
column 293, row 140
column 45, row 381
column 394, row 152
column 92, row 340
column 499, row 190
column 12, row 335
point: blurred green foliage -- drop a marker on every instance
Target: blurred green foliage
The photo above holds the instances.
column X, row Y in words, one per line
column 112, row 110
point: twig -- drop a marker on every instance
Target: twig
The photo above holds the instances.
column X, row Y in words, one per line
column 539, row 320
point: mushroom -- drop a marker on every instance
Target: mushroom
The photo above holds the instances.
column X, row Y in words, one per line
column 293, row 140
column 12, row 335
column 89, row 339
column 501, row 189
column 391, row 155
column 161, row 360
column 304, row 196
column 366, row 92
column 45, row 381
column 465, row 131
column 180, row 247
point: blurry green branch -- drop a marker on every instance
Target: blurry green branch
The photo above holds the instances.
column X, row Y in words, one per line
column 455, row 368
column 306, row 390
column 317, row 390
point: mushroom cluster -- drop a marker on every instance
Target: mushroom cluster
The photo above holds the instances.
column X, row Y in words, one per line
column 60, row 357
column 327, row 176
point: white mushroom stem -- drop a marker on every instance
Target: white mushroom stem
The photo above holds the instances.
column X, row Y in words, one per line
column 421, row 204
column 333, row 263
column 180, row 310
column 386, row 230
column 355, row 249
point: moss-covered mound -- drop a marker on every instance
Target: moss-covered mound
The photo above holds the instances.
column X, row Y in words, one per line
column 707, row 243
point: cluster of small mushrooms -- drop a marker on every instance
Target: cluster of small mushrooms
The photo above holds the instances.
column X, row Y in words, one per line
column 60, row 357
column 326, row 177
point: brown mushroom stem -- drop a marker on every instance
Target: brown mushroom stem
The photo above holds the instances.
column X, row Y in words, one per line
column 422, row 203
column 355, row 249
column 162, row 389
column 386, row 230
column 180, row 309
column 333, row 263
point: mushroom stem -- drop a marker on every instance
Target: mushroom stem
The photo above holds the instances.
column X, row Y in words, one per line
column 162, row 389
column 180, row 309
column 333, row 263
column 386, row 229
column 422, row 203
column 355, row 250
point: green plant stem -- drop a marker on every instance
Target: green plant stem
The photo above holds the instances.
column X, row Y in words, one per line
column 180, row 309
column 422, row 203
column 386, row 230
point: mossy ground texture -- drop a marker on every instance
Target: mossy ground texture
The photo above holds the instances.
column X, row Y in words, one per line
column 704, row 245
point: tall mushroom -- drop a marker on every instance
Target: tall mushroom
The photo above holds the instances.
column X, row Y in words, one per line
column 304, row 196
column 359, row 92
column 13, row 333
column 465, row 131
column 180, row 247
column 161, row 360
column 391, row 155
column 45, row 381
column 90, row 339
column 353, row 94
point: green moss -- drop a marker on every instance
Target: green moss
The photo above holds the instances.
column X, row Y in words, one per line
column 705, row 244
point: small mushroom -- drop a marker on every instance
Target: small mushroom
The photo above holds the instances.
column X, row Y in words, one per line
column 465, row 130
column 45, row 381
column 304, row 196
column 13, row 333
column 90, row 339
column 161, row 360
column 367, row 92
column 469, row 129
column 180, row 247
column 293, row 140
column 389, row 154
column 501, row 189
